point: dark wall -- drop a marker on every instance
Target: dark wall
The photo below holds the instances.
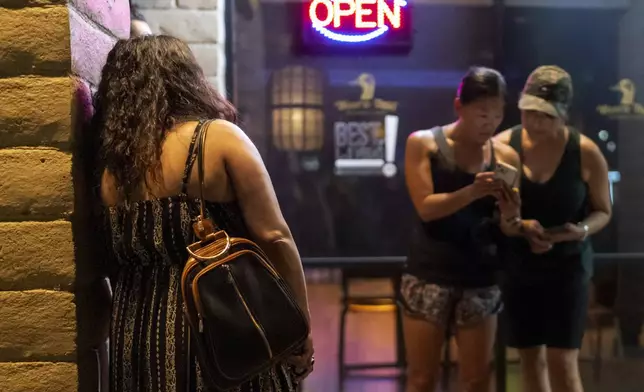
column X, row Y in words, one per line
column 359, row 216
column 631, row 130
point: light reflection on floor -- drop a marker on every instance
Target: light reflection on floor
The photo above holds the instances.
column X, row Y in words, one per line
column 370, row 337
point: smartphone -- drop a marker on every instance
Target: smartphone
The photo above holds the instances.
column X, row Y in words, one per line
column 505, row 172
column 556, row 230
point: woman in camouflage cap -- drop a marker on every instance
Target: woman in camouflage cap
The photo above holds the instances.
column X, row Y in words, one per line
column 565, row 187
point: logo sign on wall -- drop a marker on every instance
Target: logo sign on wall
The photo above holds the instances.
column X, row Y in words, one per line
column 628, row 107
column 357, row 24
column 365, row 137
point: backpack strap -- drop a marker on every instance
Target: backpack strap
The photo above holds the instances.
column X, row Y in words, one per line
column 203, row 226
column 192, row 156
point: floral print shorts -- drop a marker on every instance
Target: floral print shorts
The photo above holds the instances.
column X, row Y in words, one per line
column 449, row 306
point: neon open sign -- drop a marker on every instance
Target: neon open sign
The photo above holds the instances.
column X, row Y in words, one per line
column 356, row 20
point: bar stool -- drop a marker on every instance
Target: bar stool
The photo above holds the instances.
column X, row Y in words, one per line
column 356, row 304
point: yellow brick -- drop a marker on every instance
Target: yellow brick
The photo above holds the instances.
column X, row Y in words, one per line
column 35, row 41
column 37, row 325
column 35, row 111
column 35, row 255
column 29, row 3
column 35, row 184
column 38, row 377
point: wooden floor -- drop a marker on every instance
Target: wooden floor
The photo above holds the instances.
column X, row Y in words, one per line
column 370, row 338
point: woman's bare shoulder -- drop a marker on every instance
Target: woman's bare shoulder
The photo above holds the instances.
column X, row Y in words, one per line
column 229, row 141
column 421, row 141
column 503, row 136
column 591, row 155
column 230, row 132
column 505, row 153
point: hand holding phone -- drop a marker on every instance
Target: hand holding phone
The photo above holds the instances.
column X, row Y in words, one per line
column 484, row 184
column 537, row 237
column 509, row 201
column 508, row 196
column 506, row 173
column 566, row 233
column 556, row 230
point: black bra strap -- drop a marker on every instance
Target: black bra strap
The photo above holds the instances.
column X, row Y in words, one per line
column 192, row 157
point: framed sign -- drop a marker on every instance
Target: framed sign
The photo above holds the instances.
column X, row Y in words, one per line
column 628, row 107
column 365, row 133
column 356, row 26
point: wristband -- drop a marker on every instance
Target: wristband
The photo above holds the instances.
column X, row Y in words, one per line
column 513, row 220
column 585, row 228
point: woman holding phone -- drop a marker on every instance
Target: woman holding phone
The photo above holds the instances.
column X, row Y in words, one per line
column 450, row 273
column 564, row 186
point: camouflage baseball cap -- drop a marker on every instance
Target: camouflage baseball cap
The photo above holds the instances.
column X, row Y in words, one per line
column 548, row 90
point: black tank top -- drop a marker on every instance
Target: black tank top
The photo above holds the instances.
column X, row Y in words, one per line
column 459, row 249
column 560, row 200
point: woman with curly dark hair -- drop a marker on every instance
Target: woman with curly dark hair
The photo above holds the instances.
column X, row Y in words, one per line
column 151, row 97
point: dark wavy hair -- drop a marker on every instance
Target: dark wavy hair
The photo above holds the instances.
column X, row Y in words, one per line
column 148, row 85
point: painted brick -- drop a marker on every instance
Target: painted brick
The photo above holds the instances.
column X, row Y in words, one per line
column 188, row 25
column 219, row 82
column 39, row 377
column 36, row 255
column 114, row 15
column 210, row 57
column 35, row 184
column 90, row 47
column 35, row 111
column 159, row 4
column 198, row 4
column 40, row 51
column 37, row 325
column 82, row 108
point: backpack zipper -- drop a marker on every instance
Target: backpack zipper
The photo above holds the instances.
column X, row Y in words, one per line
column 231, row 279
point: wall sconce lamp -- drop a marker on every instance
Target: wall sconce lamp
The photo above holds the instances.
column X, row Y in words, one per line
column 297, row 113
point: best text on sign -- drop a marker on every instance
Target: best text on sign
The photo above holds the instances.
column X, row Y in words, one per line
column 358, row 140
column 365, row 19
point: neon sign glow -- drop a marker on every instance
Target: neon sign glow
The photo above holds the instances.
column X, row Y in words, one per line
column 329, row 15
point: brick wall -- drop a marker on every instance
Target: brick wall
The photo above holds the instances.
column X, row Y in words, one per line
column 198, row 22
column 51, row 53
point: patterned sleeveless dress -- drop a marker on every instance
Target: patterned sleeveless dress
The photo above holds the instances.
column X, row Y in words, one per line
column 148, row 333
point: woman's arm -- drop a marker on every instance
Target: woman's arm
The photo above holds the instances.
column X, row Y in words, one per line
column 258, row 202
column 512, row 224
column 595, row 173
column 420, row 185
column 510, row 221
